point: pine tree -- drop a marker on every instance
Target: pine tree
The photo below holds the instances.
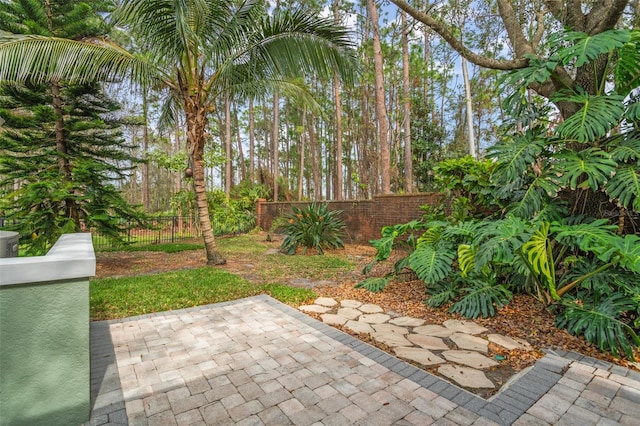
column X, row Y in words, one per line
column 60, row 144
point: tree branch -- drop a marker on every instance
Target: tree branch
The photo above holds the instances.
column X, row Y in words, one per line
column 448, row 35
column 520, row 44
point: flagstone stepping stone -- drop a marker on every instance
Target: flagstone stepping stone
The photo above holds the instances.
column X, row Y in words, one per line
column 465, row 376
column 467, row 327
column 469, row 358
column 359, row 327
column 434, row 330
column 419, row 355
column 407, row 321
column 371, row 309
column 325, row 301
column 348, row 303
column 374, row 318
column 391, row 339
column 389, row 328
column 315, row 308
column 349, row 313
column 428, row 342
column 472, row 343
column 333, row 319
column 508, row 342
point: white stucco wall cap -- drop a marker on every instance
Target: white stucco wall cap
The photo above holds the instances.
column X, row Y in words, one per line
column 71, row 257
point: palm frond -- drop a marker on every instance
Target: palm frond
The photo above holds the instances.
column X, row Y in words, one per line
column 39, row 59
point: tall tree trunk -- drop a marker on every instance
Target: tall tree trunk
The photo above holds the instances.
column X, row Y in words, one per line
column 406, row 93
column 275, row 139
column 71, row 209
column 243, row 167
column 252, row 169
column 381, row 109
column 467, row 95
column 146, row 190
column 196, row 126
column 228, row 172
column 315, row 159
column 301, row 154
column 338, row 189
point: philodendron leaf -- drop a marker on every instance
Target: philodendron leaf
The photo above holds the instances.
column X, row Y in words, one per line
column 597, row 116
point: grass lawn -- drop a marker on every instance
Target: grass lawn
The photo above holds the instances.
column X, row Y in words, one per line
column 113, row 298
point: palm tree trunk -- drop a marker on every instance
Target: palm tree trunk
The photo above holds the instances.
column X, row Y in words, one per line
column 406, row 93
column 228, row 176
column 252, row 176
column 196, row 123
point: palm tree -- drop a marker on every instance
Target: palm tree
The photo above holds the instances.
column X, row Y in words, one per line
column 198, row 51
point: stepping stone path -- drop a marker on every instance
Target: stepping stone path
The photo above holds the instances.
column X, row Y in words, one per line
column 458, row 349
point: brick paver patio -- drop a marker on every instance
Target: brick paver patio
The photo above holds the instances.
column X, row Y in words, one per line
column 256, row 361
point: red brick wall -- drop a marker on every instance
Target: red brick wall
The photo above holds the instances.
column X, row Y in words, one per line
column 363, row 218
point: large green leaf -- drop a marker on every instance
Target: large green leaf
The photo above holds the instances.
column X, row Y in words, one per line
column 628, row 149
column 601, row 323
column 538, row 253
column 625, row 187
column 598, row 115
column 536, row 196
column 584, row 48
column 466, row 259
column 499, row 241
column 515, row 156
column 431, row 264
column 481, row 299
column 593, row 164
column 537, row 71
column 625, row 251
column 374, row 284
column 627, row 69
column 596, row 236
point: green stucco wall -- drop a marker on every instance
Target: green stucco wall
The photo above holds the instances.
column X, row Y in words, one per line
column 44, row 353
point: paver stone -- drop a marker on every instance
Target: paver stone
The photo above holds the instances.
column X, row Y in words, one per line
column 348, row 303
column 469, row 358
column 370, row 309
column 434, row 330
column 407, row 321
column 465, row 376
column 359, row 327
column 508, row 342
column 419, row 355
column 469, row 342
column 333, row 319
column 428, row 342
column 350, row 313
column 315, row 308
column 374, row 318
column 468, row 327
column 389, row 328
column 325, row 301
column 391, row 339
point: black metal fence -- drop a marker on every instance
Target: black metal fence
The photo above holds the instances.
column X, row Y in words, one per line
column 162, row 229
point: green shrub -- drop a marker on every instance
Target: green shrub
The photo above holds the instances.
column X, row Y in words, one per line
column 312, row 227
